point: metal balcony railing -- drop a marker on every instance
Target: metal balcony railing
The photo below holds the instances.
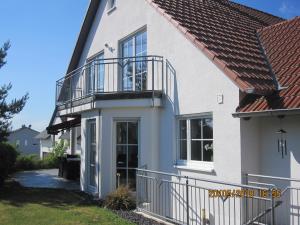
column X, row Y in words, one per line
column 194, row 201
column 112, row 75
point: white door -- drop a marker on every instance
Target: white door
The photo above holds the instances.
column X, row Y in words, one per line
column 127, row 148
column 92, row 156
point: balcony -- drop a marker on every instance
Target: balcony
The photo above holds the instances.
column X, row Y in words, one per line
column 110, row 79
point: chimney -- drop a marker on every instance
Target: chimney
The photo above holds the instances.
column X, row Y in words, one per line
column 29, row 126
column 23, row 126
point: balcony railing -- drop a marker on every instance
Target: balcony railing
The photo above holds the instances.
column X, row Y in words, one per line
column 112, row 75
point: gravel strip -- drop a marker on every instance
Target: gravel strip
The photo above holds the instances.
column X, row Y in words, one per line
column 136, row 218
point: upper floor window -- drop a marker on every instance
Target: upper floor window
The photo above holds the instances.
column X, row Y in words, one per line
column 134, row 72
column 195, row 139
column 95, row 74
column 26, row 142
column 111, row 4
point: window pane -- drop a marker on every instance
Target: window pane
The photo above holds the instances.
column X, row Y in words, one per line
column 121, row 177
column 121, row 133
column 132, row 179
column 93, row 175
column 208, row 151
column 132, row 133
column 93, row 133
column 182, row 127
column 208, row 128
column 133, row 156
column 196, row 150
column 183, row 149
column 196, row 129
column 121, row 156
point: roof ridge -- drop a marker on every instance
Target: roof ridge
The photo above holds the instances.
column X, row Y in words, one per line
column 278, row 24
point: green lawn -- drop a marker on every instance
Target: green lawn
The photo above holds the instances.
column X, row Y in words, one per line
column 22, row 206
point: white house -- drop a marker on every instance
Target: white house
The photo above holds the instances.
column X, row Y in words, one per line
column 24, row 139
column 46, row 143
column 205, row 89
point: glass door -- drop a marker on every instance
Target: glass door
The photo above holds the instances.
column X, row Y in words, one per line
column 91, row 155
column 95, row 73
column 134, row 52
column 126, row 153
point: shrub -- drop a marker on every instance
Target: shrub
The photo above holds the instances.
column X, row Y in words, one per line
column 120, row 199
column 27, row 162
column 8, row 155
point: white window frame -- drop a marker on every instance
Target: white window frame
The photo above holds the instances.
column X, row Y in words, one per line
column 111, row 6
column 114, row 149
column 188, row 163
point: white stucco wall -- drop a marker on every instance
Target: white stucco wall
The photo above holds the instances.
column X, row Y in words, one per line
column 193, row 89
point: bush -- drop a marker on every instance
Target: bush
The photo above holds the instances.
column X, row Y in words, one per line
column 120, row 199
column 27, row 162
column 8, row 155
column 32, row 162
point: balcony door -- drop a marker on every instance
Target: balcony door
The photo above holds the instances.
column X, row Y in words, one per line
column 134, row 73
column 127, row 148
column 95, row 74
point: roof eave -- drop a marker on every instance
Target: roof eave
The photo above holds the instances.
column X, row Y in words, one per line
column 273, row 112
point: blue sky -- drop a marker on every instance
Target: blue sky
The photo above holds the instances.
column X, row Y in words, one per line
column 43, row 35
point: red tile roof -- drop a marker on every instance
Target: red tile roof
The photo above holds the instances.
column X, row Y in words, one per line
column 258, row 51
column 226, row 33
column 281, row 43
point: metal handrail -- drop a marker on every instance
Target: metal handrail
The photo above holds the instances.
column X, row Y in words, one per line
column 272, row 177
column 84, row 81
column 111, row 59
column 204, row 180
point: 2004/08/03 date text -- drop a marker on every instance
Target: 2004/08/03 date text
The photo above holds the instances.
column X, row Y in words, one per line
column 241, row 193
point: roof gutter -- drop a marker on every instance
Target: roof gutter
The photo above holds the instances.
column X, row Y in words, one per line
column 275, row 112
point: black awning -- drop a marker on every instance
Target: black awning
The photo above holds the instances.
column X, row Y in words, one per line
column 55, row 129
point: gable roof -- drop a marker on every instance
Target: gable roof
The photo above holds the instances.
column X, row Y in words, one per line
column 23, row 128
column 238, row 39
column 226, row 32
column 282, row 47
column 43, row 135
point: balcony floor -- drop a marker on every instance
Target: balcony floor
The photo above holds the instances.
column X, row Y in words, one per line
column 111, row 96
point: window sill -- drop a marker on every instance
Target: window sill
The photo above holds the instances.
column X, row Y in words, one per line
column 111, row 10
column 207, row 168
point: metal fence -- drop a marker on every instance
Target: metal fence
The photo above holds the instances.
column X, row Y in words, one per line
column 288, row 212
column 112, row 75
column 192, row 201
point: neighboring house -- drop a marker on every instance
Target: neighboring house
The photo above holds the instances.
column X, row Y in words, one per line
column 207, row 89
column 46, row 143
column 24, row 139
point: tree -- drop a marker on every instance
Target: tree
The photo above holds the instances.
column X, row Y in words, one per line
column 8, row 109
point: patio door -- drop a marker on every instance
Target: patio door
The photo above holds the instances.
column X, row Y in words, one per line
column 92, row 156
column 127, row 148
column 134, row 74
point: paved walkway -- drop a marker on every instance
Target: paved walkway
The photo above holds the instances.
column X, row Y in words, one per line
column 45, row 179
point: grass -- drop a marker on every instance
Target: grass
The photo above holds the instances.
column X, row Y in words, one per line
column 27, row 206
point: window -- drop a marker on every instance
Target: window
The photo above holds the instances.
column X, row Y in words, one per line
column 111, row 4
column 195, row 139
column 127, row 153
column 134, row 75
column 18, row 143
column 95, row 74
column 26, row 143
